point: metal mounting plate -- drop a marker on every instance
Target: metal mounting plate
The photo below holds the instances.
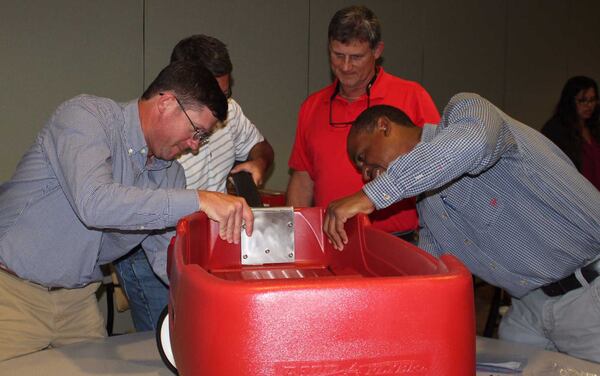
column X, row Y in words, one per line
column 272, row 240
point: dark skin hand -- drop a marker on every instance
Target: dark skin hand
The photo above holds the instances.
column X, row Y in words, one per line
column 371, row 152
column 338, row 213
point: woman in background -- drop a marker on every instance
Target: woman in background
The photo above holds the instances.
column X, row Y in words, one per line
column 575, row 126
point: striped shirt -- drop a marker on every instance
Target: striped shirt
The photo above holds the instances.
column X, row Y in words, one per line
column 208, row 169
column 498, row 195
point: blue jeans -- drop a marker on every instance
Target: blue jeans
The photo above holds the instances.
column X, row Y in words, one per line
column 147, row 294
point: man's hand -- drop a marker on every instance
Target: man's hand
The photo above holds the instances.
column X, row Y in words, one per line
column 260, row 158
column 230, row 211
column 255, row 168
column 338, row 213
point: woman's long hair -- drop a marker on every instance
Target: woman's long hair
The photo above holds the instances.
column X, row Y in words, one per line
column 566, row 115
column 566, row 109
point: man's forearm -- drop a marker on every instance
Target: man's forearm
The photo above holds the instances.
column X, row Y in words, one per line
column 263, row 154
column 300, row 189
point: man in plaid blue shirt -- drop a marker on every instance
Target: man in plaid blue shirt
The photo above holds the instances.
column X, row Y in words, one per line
column 501, row 197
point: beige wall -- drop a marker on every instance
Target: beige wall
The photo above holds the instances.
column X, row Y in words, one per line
column 51, row 51
column 268, row 45
column 518, row 53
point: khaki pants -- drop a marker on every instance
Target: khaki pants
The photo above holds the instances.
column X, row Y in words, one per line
column 568, row 323
column 33, row 318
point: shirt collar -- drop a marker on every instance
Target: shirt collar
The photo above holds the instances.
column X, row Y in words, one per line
column 378, row 90
column 134, row 137
column 429, row 132
column 135, row 143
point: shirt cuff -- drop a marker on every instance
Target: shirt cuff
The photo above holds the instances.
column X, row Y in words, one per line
column 382, row 191
column 182, row 202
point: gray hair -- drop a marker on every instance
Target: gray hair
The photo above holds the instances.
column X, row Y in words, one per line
column 355, row 22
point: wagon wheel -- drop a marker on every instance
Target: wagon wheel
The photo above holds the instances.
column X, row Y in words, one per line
column 163, row 341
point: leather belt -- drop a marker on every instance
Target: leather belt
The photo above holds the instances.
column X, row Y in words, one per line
column 409, row 236
column 51, row 288
column 589, row 272
column 4, row 268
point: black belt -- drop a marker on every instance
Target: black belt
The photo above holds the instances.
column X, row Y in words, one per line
column 589, row 272
column 52, row 288
column 409, row 236
column 49, row 288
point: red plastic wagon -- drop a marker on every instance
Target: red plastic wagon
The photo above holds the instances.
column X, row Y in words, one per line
column 284, row 302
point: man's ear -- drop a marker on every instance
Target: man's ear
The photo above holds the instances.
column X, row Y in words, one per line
column 164, row 101
column 384, row 125
column 378, row 50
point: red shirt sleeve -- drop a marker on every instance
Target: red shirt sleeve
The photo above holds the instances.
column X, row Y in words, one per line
column 426, row 112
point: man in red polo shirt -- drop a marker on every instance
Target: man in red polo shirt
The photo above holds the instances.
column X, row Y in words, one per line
column 322, row 171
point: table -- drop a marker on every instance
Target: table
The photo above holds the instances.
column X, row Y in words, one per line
column 536, row 361
column 129, row 354
column 136, row 355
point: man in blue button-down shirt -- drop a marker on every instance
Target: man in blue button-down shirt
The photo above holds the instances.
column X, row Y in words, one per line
column 99, row 180
column 502, row 198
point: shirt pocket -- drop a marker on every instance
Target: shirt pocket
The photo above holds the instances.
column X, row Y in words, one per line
column 475, row 202
column 484, row 208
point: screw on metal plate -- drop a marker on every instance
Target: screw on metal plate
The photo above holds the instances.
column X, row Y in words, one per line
column 290, row 224
column 245, row 257
column 267, row 251
column 290, row 255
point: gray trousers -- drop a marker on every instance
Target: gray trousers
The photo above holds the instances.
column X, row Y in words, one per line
column 569, row 323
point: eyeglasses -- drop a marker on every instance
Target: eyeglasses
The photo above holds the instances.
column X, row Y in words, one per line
column 345, row 124
column 200, row 135
column 592, row 100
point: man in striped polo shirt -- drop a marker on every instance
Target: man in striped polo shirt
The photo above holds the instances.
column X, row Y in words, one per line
column 502, row 198
column 208, row 169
